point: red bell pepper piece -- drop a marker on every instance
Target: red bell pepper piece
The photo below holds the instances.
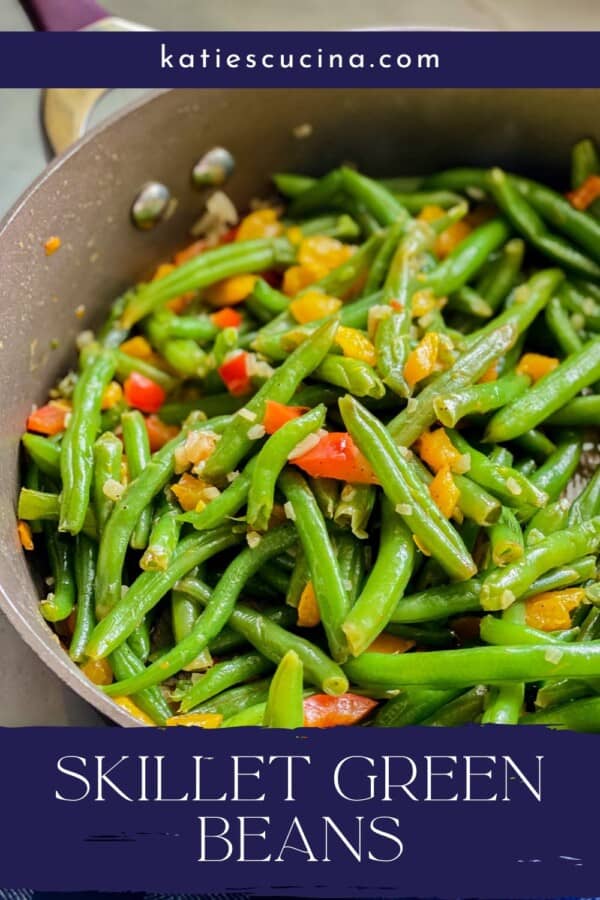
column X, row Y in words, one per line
column 159, row 433
column 143, row 393
column 234, row 372
column 337, row 456
column 49, row 419
column 324, row 711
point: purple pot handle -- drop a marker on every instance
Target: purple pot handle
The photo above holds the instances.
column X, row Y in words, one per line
column 63, row 15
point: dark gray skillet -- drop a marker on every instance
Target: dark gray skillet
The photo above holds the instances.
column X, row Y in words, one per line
column 85, row 197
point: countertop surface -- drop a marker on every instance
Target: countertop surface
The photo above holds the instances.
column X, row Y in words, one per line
column 30, row 694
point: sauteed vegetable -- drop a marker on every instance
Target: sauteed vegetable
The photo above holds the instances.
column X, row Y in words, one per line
column 314, row 471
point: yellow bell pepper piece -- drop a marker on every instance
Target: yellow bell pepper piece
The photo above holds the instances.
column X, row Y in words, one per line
column 313, row 305
column 262, row 223
column 199, row 720
column 355, row 344
column 231, row 290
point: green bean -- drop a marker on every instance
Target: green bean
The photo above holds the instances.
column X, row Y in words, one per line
column 231, row 701
column 497, row 281
column 125, row 664
column 275, row 577
column 342, row 227
column 272, row 458
column 351, row 560
column 455, row 599
column 536, row 444
column 503, row 481
column 577, row 715
column 210, row 622
column 477, row 665
column 184, row 612
column 577, row 413
column 224, row 675
column 292, row 185
column 126, row 365
column 298, row 580
column 184, row 355
column 108, row 456
column 506, row 703
column 467, row 300
column 252, row 715
column 163, row 539
column 355, row 507
column 415, row 201
column 324, row 570
column 203, row 270
column 139, row 640
column 235, row 443
column 375, row 196
column 518, row 208
column 391, row 346
column 587, row 504
column 285, row 703
column 548, row 395
column 576, row 572
column 467, row 258
column 475, row 503
column 122, row 521
column 426, row 636
column 405, row 490
column 327, row 494
column 226, row 505
column 44, row 454
column 212, row 405
column 137, row 449
column 383, row 258
column 562, row 330
column 506, row 539
column 580, row 305
column 502, row 631
column 411, row 706
column 317, row 196
column 489, row 343
column 479, row 398
column 167, row 325
column 58, row 604
column 584, row 161
column 503, row 586
column 149, row 588
column 273, row 641
column 555, row 474
column 551, row 518
column 385, row 584
column 76, row 454
column 43, row 506
column 352, row 375
column 460, row 710
column 85, row 571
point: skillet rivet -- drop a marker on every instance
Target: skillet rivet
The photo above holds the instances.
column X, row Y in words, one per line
column 214, row 168
column 150, row 205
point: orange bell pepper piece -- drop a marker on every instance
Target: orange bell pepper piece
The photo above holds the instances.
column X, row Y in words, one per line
column 437, row 450
column 313, row 305
column 390, row 643
column 586, row 193
column 308, row 608
column 444, row 492
column 551, row 610
column 536, row 365
column 277, row 414
column 423, row 360
column 49, row 419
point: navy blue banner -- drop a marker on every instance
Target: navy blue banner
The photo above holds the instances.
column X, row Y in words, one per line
column 300, row 59
column 470, row 812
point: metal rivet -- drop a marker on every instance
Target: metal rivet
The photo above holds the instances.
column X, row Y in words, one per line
column 214, row 168
column 150, row 205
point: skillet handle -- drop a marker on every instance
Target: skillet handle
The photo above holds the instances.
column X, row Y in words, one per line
column 63, row 15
